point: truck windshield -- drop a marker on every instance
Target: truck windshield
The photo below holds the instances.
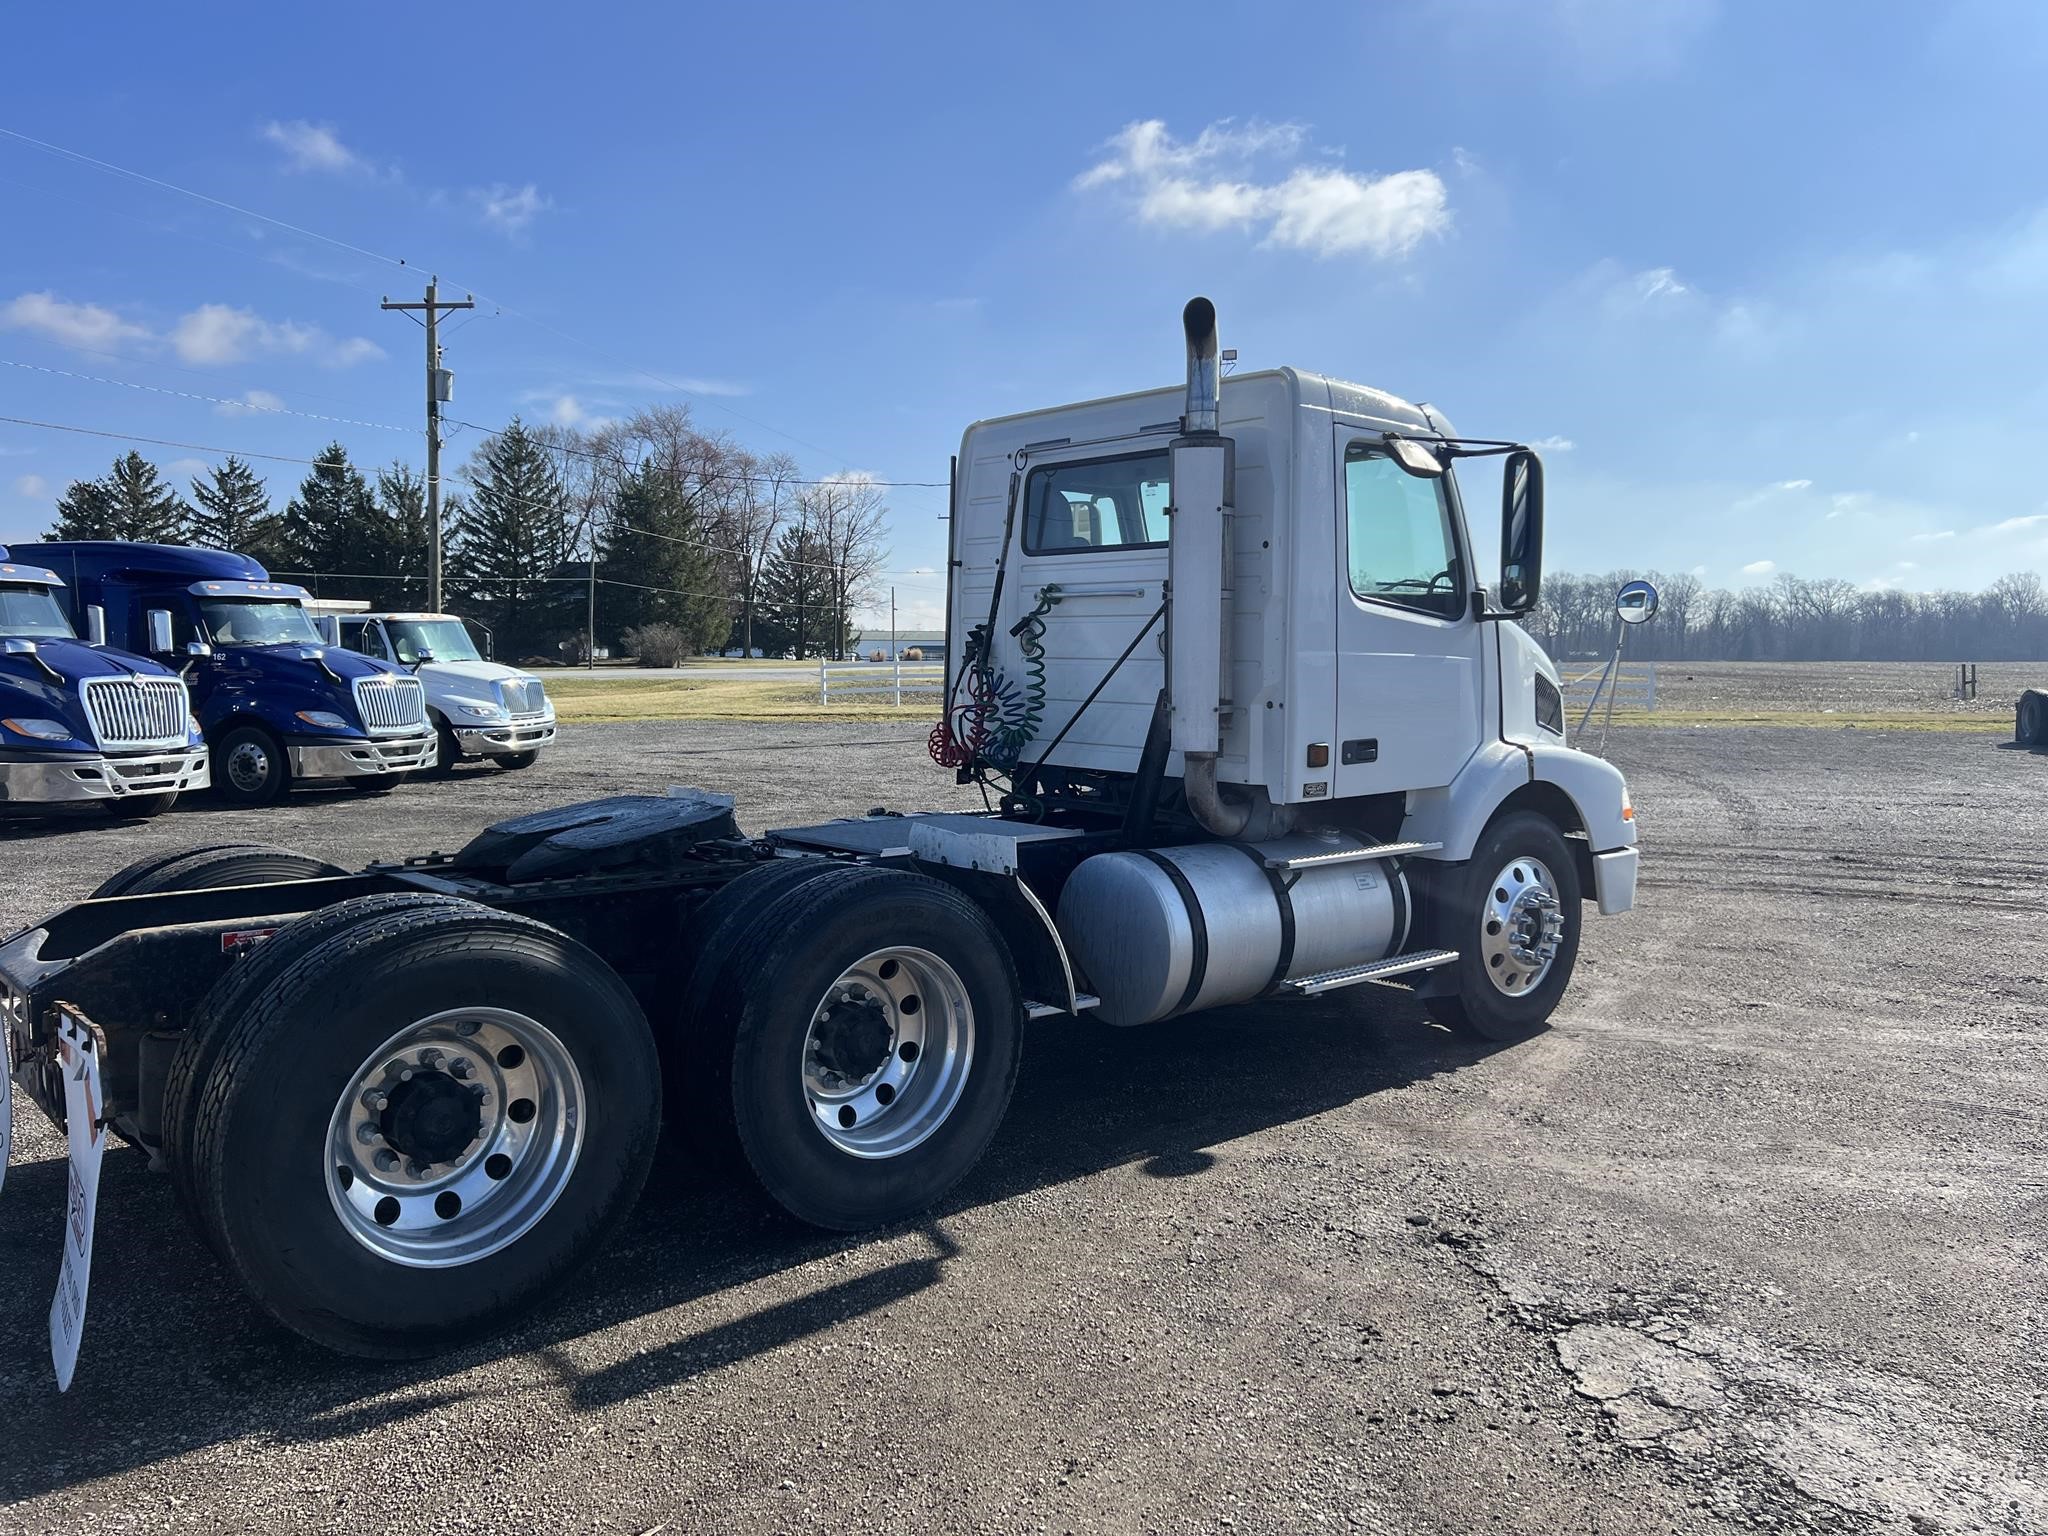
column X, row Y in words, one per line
column 446, row 638
column 32, row 611
column 254, row 621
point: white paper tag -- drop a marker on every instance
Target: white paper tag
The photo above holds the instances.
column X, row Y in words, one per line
column 6, row 1098
column 82, row 1106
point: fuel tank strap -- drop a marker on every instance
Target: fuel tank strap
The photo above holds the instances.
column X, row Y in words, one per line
column 1198, row 928
column 1283, row 898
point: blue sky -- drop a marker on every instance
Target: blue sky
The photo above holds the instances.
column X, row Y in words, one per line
column 1777, row 275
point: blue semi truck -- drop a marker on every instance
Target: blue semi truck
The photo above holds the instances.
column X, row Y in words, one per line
column 80, row 722
column 275, row 704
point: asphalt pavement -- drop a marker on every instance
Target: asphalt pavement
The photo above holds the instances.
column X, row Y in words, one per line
column 1750, row 1239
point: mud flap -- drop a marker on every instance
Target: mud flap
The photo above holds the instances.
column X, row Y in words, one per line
column 78, row 1055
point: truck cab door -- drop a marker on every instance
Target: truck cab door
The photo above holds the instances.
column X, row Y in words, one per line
column 1410, row 681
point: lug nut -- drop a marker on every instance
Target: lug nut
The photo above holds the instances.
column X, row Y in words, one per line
column 385, row 1159
column 430, row 1058
column 416, row 1169
column 460, row 1068
column 366, row 1133
column 376, row 1100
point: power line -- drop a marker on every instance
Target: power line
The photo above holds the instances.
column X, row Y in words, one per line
column 398, row 261
column 709, row 474
column 184, row 394
column 169, row 186
column 159, row 442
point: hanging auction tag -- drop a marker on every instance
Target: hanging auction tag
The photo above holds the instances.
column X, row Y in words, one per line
column 80, row 1060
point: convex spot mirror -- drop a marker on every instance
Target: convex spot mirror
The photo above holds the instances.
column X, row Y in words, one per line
column 1415, row 458
column 1636, row 603
column 1521, row 531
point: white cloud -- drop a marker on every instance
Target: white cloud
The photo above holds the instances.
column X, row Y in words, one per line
column 568, row 411
column 31, row 486
column 1699, row 570
column 312, row 147
column 1793, row 485
column 1907, row 565
column 1209, row 183
column 2014, row 525
column 90, row 326
column 253, row 402
column 188, row 467
column 1844, row 502
column 1931, row 538
column 510, row 209
column 1759, row 567
column 1553, row 445
column 1660, row 283
column 1775, row 488
column 221, row 333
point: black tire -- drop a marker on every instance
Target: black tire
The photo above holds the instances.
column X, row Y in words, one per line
column 251, row 975
column 796, row 948
column 696, row 1039
column 141, row 807
column 1457, row 913
column 446, row 753
column 516, row 760
column 211, row 867
column 293, row 1050
column 244, row 748
column 2030, row 720
column 376, row 783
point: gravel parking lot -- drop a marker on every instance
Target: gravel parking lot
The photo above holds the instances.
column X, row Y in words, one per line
column 1751, row 1238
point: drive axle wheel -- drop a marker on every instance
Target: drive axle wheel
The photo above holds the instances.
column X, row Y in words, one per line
column 874, row 1026
column 422, row 1124
column 1512, row 913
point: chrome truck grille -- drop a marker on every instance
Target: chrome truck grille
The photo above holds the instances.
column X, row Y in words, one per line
column 391, row 705
column 523, row 696
column 138, row 711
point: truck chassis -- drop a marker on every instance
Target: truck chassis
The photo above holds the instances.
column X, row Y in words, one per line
column 406, row 1102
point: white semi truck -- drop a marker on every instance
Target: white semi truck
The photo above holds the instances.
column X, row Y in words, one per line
column 479, row 708
column 1256, row 730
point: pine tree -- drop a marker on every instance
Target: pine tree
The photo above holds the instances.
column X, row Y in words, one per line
column 85, row 511
column 146, row 508
column 132, row 502
column 403, row 534
column 232, row 511
column 512, row 535
column 658, row 565
column 332, row 528
column 796, row 596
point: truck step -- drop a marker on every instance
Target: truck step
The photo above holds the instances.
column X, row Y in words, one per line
column 1348, row 855
column 1379, row 970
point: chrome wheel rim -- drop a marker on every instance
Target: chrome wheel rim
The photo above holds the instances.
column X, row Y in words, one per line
column 888, row 1052
column 1521, row 927
column 455, row 1137
column 249, row 766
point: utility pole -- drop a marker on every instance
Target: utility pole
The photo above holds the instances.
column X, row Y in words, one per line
column 439, row 388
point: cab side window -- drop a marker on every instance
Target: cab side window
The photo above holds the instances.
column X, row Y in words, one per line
column 1398, row 532
column 1117, row 503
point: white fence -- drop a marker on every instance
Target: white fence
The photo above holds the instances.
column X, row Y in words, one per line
column 1632, row 685
column 843, row 679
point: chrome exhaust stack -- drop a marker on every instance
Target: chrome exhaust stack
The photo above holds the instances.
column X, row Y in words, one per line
column 1204, row 485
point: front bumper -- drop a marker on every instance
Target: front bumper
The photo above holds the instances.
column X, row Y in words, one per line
column 499, row 740
column 363, row 756
column 53, row 778
column 1614, row 880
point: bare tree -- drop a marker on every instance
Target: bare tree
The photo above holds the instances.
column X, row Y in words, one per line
column 846, row 515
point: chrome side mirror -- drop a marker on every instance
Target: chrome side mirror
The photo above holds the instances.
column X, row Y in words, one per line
column 159, row 621
column 95, row 624
column 1521, row 531
column 1636, row 603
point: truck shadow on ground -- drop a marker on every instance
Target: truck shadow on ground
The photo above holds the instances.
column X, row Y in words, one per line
column 176, row 1358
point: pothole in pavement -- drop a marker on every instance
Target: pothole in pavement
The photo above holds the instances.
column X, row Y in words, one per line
column 1768, row 1435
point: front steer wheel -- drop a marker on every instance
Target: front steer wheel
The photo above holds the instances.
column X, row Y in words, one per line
column 870, row 1027
column 1511, row 912
column 249, row 766
column 421, row 1125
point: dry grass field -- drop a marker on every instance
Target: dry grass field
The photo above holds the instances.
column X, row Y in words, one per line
column 1874, row 695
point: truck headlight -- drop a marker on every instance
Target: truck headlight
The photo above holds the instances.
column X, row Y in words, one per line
column 482, row 711
column 40, row 730
column 325, row 720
